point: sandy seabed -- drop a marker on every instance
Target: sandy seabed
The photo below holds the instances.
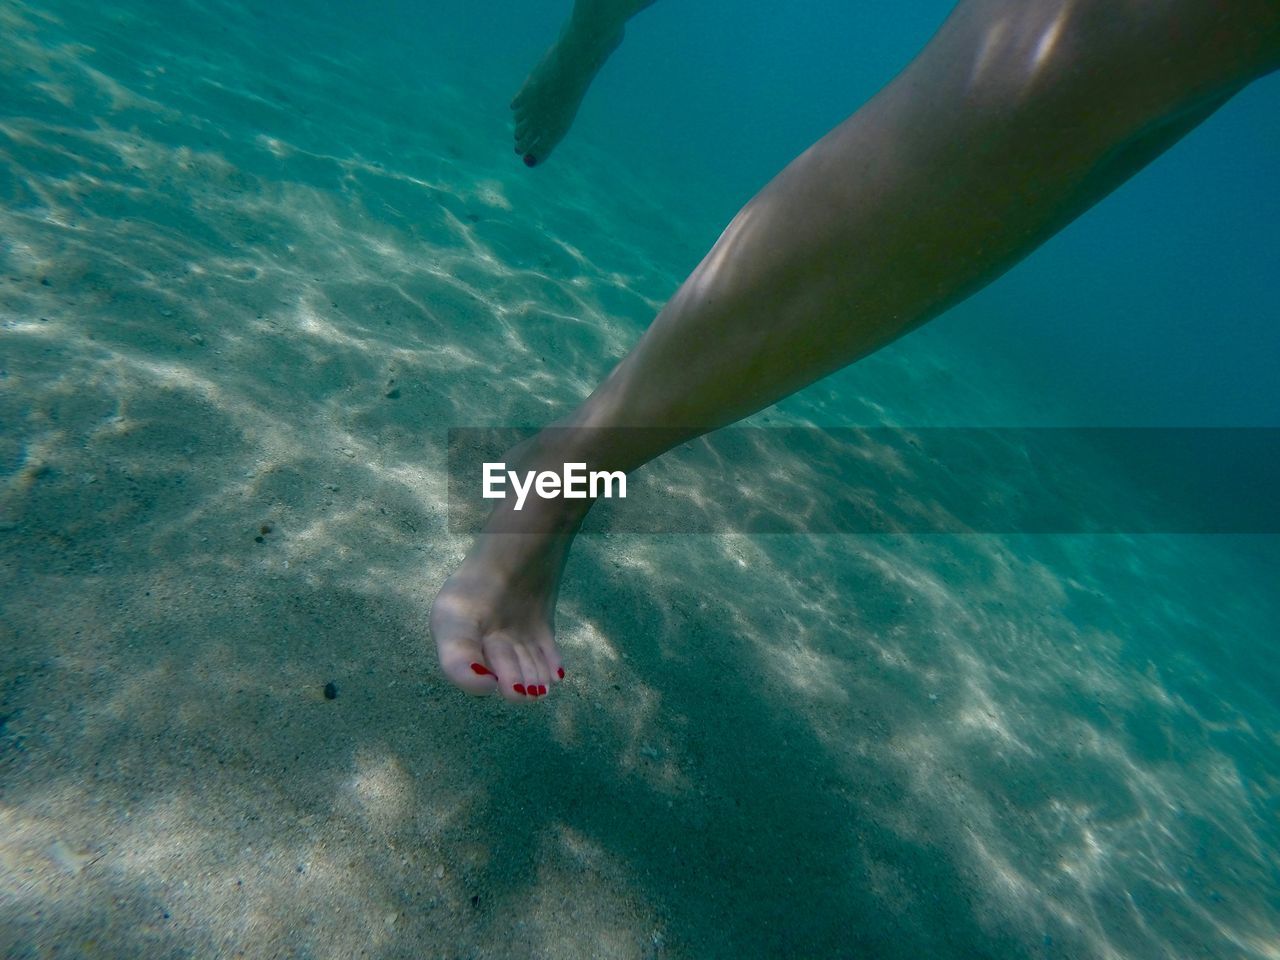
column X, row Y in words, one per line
column 231, row 344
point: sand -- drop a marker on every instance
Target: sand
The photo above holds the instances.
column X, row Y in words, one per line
column 231, row 345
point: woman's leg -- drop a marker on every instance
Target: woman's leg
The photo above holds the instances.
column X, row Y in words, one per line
column 547, row 103
column 1016, row 118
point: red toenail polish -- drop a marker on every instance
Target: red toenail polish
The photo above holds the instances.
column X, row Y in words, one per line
column 481, row 669
column 518, row 687
column 560, row 672
column 530, row 160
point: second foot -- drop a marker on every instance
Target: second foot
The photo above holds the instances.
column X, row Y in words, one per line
column 546, row 105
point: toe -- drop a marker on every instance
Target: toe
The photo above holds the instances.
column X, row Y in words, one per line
column 552, row 667
column 458, row 645
column 512, row 681
column 534, row 670
column 524, row 137
column 541, row 148
column 555, row 669
column 464, row 663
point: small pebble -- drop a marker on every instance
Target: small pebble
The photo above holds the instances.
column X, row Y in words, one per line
column 264, row 529
column 331, row 691
column 393, row 393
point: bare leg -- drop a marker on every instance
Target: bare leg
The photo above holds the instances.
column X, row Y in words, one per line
column 547, row 103
column 1015, row 119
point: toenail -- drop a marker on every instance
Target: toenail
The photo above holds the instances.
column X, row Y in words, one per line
column 518, row 687
column 530, row 160
column 481, row 669
column 542, row 689
column 560, row 672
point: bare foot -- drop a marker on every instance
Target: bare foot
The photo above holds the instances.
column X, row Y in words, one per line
column 549, row 100
column 494, row 620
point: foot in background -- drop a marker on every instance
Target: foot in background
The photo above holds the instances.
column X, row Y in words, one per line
column 547, row 103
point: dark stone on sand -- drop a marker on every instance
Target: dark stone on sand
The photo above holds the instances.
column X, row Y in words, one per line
column 393, row 393
column 331, row 691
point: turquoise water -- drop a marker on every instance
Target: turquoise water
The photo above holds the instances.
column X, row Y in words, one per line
column 255, row 261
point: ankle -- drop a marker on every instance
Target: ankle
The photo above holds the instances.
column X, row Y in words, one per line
column 524, row 508
column 592, row 36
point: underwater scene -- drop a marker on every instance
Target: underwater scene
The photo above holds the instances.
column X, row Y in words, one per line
column 266, row 268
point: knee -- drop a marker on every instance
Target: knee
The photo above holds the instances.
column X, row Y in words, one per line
column 1131, row 58
column 1174, row 45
